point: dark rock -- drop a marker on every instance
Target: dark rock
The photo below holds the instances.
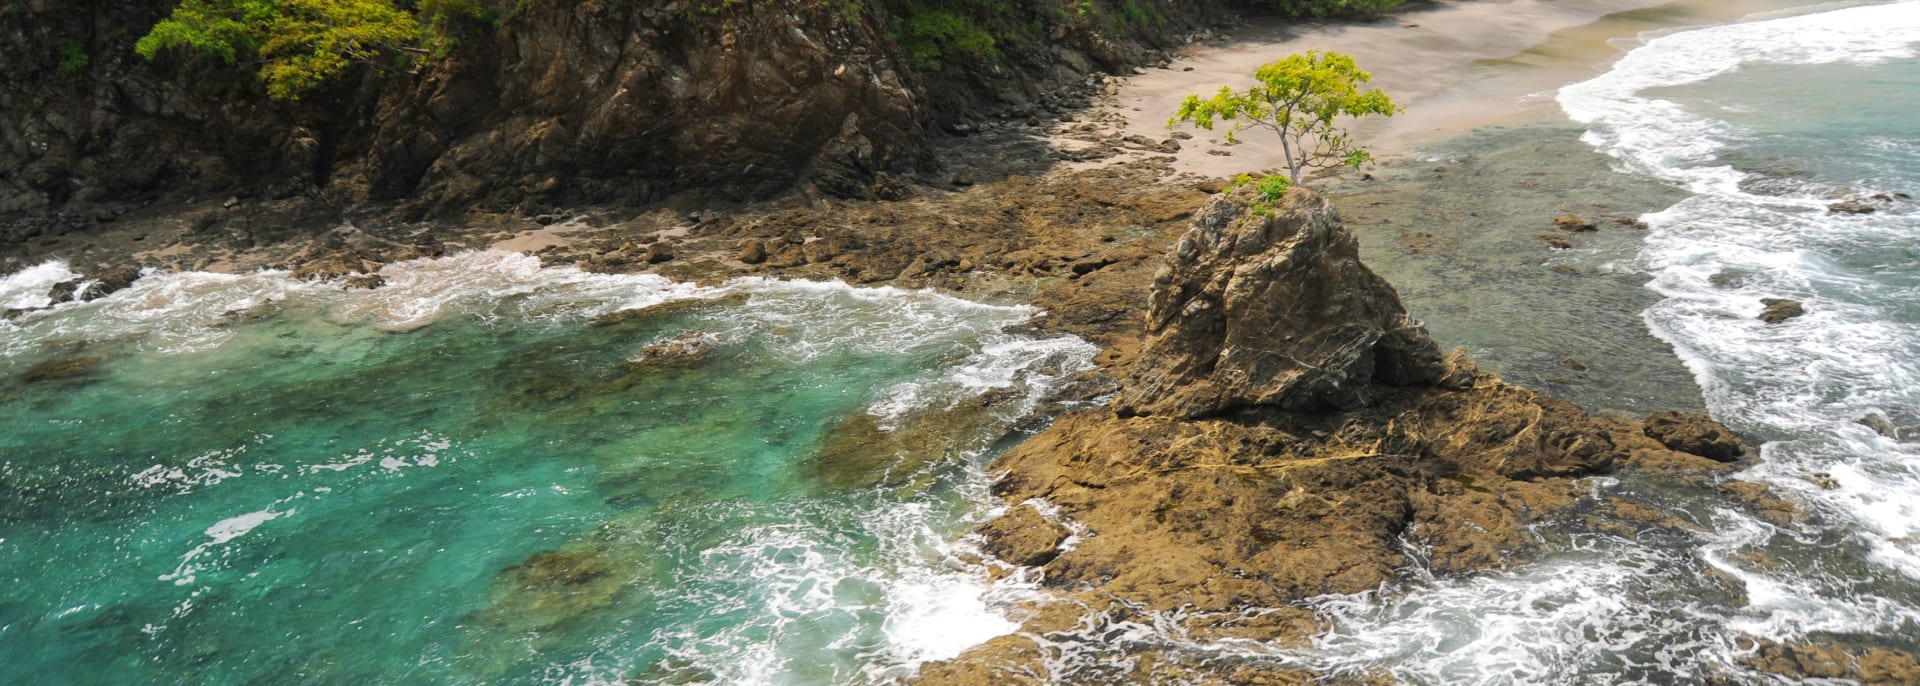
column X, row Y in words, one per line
column 668, row 309
column 1900, row 431
column 109, row 280
column 1780, row 309
column 963, row 178
column 1852, row 207
column 661, row 251
column 65, row 370
column 753, row 251
column 1556, row 241
column 1694, row 433
column 1272, row 309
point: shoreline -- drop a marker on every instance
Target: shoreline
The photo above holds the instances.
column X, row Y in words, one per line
column 1081, row 242
column 1455, row 66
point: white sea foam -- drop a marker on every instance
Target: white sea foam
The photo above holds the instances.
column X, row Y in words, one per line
column 29, row 288
column 1618, row 611
column 1662, row 138
column 797, row 596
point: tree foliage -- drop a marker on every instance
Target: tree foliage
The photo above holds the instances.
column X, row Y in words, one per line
column 1297, row 97
column 1327, row 8
column 298, row 44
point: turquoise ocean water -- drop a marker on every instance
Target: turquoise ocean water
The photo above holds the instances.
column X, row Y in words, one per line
column 460, row 477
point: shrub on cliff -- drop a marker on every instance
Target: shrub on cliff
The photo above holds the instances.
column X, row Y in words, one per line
column 1327, row 8
column 298, row 44
column 1297, row 97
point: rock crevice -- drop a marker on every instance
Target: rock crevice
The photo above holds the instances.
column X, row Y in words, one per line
column 1288, row 431
column 1271, row 307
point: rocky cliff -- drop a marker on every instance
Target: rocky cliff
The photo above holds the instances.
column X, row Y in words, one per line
column 548, row 103
column 561, row 102
column 1286, row 432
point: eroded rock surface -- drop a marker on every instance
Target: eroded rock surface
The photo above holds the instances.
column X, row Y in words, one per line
column 1285, row 432
column 1259, row 307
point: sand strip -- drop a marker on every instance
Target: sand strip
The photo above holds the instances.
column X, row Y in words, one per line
column 1455, row 66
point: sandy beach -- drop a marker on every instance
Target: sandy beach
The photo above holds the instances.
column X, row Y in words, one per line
column 1454, row 66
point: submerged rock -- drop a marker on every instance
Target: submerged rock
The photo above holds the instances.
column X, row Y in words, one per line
column 668, row 309
column 68, row 370
column 684, row 349
column 1573, row 223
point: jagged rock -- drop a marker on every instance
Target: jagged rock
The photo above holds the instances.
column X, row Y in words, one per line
column 1763, row 501
column 1886, row 427
column 1023, row 537
column 659, row 252
column 1573, row 223
column 753, row 251
column 1837, row 661
column 1272, row 308
column 1780, row 309
column 681, row 350
column 1694, row 433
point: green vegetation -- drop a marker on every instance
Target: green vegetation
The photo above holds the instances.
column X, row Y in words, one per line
column 299, row 44
column 1328, row 8
column 1297, row 97
column 1271, row 187
column 73, row 58
column 933, row 30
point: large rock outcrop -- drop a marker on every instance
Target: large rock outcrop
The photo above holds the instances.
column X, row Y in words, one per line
column 548, row 103
column 1286, row 432
column 558, row 102
column 1272, row 307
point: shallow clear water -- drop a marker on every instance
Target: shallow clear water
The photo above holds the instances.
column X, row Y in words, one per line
column 459, row 478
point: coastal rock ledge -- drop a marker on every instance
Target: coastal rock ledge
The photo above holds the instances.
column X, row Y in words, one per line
column 1286, row 432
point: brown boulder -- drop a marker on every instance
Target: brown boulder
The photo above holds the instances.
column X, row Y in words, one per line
column 1271, row 307
column 1573, row 223
column 1838, row 661
column 1780, row 309
column 1694, row 433
column 753, row 251
column 1023, row 537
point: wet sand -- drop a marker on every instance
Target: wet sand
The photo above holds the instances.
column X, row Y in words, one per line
column 1454, row 66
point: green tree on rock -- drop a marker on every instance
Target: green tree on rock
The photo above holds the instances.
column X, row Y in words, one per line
column 298, row 44
column 1297, row 97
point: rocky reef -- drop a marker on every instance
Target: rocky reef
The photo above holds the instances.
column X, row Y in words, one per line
column 1286, row 432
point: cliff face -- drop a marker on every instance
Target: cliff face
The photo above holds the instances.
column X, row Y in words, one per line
column 562, row 102
column 1286, row 432
column 557, row 102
